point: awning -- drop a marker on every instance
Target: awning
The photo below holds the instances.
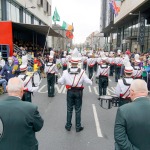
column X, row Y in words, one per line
column 42, row 29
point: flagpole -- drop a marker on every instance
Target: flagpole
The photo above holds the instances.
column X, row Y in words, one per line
column 45, row 40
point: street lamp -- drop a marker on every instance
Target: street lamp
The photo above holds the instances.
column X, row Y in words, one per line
column 33, row 7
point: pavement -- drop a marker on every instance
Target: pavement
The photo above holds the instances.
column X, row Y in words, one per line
column 98, row 122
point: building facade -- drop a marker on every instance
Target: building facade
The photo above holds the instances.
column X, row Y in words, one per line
column 130, row 29
column 36, row 12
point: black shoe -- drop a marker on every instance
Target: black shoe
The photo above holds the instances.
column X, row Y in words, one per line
column 79, row 129
column 68, row 129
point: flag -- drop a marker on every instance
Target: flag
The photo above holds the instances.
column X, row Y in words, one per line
column 114, row 7
column 66, row 26
column 56, row 16
column 69, row 34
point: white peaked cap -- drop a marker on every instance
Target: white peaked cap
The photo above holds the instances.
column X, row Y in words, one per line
column 136, row 57
column 75, row 56
column 23, row 67
column 51, row 54
column 128, row 67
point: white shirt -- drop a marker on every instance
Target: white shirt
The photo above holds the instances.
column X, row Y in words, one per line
column 74, row 80
column 50, row 68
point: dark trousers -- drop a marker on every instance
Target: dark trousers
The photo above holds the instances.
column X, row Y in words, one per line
column 103, row 84
column 90, row 70
column 95, row 67
column 64, row 68
column 117, row 73
column 111, row 70
column 84, row 66
column 74, row 99
column 27, row 97
column 50, row 84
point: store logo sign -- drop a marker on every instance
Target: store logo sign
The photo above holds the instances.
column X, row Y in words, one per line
column 141, row 30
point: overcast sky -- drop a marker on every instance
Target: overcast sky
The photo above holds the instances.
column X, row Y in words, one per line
column 84, row 14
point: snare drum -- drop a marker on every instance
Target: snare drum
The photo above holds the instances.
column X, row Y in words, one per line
column 106, row 101
column 115, row 100
column 36, row 79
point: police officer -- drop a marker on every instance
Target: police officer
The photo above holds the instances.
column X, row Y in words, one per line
column 123, row 86
column 50, row 70
column 74, row 78
column 29, row 87
column 102, row 75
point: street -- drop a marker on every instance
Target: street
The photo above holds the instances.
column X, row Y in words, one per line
column 98, row 122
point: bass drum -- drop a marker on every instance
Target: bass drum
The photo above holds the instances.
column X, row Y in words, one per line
column 36, row 79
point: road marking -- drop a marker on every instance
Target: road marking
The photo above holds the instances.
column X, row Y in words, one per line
column 113, row 89
column 99, row 132
column 95, row 89
column 110, row 91
column 64, row 91
column 42, row 89
column 59, row 74
column 90, row 89
column 59, row 89
column 109, row 79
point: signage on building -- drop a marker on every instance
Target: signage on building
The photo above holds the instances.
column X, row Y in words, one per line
column 141, row 30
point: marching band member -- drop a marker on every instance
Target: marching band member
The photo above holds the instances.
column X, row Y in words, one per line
column 122, row 89
column 74, row 78
column 64, row 61
column 84, row 61
column 90, row 63
column 137, row 70
column 118, row 64
column 29, row 87
column 111, row 61
column 50, row 70
column 102, row 75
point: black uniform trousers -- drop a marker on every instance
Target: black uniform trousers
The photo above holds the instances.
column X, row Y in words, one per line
column 111, row 70
column 90, row 70
column 50, row 84
column 117, row 72
column 27, row 96
column 74, row 99
column 84, row 66
column 103, row 83
column 95, row 67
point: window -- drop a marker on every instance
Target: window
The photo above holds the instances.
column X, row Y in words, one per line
column 40, row 2
column 13, row 12
column 26, row 17
column 36, row 21
column 49, row 10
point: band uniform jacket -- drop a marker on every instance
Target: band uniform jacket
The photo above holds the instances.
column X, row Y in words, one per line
column 118, row 61
column 121, row 89
column 50, row 68
column 90, row 62
column 103, row 70
column 132, row 125
column 20, row 121
column 74, row 80
column 28, row 83
column 137, row 72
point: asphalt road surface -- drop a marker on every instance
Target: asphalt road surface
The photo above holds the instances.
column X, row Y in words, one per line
column 98, row 122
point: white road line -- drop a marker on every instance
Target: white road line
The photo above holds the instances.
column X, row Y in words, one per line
column 90, row 89
column 64, row 91
column 108, row 93
column 109, row 79
column 96, row 92
column 113, row 88
column 59, row 89
column 99, row 132
column 42, row 89
column 59, row 74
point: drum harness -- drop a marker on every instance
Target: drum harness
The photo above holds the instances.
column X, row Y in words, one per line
column 138, row 73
